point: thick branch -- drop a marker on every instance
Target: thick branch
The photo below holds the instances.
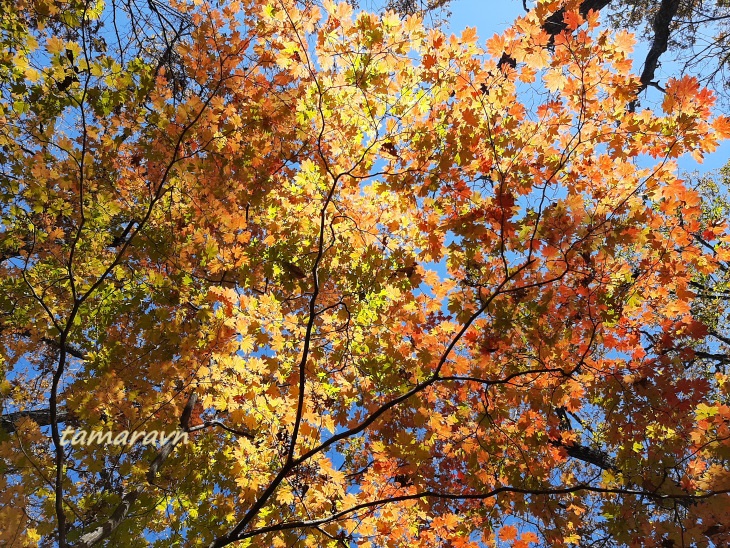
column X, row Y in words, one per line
column 42, row 417
column 208, row 424
column 108, row 527
column 555, row 24
column 660, row 26
column 69, row 348
column 722, row 358
column 122, row 510
column 596, row 457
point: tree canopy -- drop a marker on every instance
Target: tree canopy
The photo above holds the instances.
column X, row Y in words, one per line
column 399, row 288
column 690, row 34
column 694, row 32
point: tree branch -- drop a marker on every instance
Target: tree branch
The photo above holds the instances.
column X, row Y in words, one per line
column 69, row 348
column 42, row 417
column 555, row 24
column 596, row 457
column 660, row 26
column 582, row 487
column 122, row 510
column 108, row 527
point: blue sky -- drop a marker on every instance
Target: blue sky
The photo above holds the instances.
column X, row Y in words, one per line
column 488, row 17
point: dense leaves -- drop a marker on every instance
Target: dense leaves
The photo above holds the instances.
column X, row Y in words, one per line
column 397, row 292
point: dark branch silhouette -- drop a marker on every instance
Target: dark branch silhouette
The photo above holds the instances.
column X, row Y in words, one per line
column 42, row 417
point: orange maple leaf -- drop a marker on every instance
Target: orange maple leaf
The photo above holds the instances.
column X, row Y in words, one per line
column 508, row 532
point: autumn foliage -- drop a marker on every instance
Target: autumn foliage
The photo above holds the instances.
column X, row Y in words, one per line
column 398, row 292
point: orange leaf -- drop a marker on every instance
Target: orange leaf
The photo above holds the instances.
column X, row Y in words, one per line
column 508, row 532
column 469, row 36
column 572, row 19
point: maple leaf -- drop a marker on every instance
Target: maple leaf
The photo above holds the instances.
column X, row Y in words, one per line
column 572, row 19
column 554, row 80
column 624, row 42
column 721, row 124
column 469, row 35
column 496, row 45
column 508, row 533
